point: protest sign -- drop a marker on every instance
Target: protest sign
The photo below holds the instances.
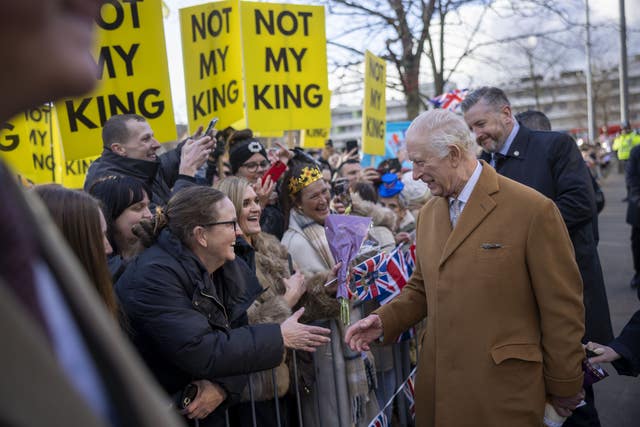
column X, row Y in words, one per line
column 285, row 65
column 314, row 138
column 133, row 78
column 374, row 112
column 30, row 143
column 212, row 55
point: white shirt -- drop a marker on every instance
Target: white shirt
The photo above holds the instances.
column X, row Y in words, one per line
column 464, row 195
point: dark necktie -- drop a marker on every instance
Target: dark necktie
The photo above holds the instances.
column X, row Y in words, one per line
column 18, row 247
column 497, row 160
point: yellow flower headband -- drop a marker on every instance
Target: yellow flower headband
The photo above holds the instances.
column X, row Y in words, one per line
column 308, row 176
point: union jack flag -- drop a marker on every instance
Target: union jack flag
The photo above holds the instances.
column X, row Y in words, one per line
column 365, row 275
column 397, row 268
column 450, row 100
column 372, row 280
column 410, row 394
column 379, row 421
column 410, row 259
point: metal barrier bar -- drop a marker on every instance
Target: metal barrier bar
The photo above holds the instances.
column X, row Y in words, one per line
column 253, row 402
column 316, row 394
column 227, row 423
column 275, row 395
column 397, row 366
column 297, row 388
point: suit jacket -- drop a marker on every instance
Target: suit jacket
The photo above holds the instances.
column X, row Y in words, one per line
column 632, row 177
column 627, row 345
column 34, row 389
column 503, row 301
column 551, row 163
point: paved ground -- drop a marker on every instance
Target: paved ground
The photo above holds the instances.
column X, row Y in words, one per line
column 617, row 397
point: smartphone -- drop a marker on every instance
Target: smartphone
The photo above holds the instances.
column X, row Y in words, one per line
column 212, row 124
column 341, row 191
column 350, row 145
column 187, row 396
column 275, row 171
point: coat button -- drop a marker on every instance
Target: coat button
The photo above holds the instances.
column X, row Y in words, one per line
column 196, row 303
column 516, row 153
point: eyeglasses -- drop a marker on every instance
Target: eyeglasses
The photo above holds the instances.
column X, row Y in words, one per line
column 253, row 166
column 233, row 221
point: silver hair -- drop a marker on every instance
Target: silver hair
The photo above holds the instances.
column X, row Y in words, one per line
column 492, row 96
column 442, row 129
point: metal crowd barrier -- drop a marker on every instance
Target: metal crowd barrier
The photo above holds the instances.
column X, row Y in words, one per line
column 401, row 368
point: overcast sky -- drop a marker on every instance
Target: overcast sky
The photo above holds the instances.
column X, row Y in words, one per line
column 493, row 65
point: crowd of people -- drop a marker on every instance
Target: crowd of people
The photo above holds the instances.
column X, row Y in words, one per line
column 200, row 286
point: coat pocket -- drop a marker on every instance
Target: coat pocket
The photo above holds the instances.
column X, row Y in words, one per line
column 526, row 352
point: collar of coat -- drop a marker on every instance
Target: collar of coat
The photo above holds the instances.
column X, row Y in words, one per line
column 240, row 283
column 518, row 148
column 141, row 169
column 479, row 205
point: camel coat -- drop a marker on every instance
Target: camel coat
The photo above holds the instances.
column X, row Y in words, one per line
column 503, row 296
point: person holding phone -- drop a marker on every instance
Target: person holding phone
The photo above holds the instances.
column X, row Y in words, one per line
column 130, row 149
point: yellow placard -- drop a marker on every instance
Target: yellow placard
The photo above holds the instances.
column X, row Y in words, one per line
column 26, row 142
column 374, row 112
column 212, row 54
column 30, row 143
column 133, row 78
column 285, row 66
column 314, row 138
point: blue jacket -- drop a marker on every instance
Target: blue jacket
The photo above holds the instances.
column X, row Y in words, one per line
column 551, row 163
column 188, row 325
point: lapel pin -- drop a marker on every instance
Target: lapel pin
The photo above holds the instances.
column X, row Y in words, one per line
column 491, row 246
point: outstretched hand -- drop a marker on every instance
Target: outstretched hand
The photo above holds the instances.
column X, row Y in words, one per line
column 303, row 337
column 363, row 332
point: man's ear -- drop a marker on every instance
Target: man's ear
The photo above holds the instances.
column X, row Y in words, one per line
column 119, row 149
column 507, row 113
column 455, row 154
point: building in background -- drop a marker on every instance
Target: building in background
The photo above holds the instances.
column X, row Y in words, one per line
column 562, row 98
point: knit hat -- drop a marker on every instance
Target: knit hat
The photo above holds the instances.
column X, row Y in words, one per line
column 241, row 151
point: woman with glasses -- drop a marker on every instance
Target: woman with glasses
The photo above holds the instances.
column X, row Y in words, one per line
column 284, row 291
column 249, row 159
column 186, row 298
column 125, row 202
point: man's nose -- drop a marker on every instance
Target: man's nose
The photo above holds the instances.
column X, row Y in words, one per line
column 155, row 144
column 416, row 174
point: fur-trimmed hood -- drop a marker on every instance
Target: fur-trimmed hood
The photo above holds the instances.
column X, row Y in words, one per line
column 380, row 215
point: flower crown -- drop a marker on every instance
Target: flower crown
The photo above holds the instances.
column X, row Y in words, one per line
column 308, row 176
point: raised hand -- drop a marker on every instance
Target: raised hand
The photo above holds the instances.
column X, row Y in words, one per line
column 264, row 190
column 295, row 288
column 194, row 153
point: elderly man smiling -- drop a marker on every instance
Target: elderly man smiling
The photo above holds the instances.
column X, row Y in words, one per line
column 496, row 276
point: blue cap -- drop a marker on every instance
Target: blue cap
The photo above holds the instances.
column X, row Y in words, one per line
column 390, row 186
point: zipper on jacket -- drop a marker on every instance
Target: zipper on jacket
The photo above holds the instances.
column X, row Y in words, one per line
column 224, row 311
